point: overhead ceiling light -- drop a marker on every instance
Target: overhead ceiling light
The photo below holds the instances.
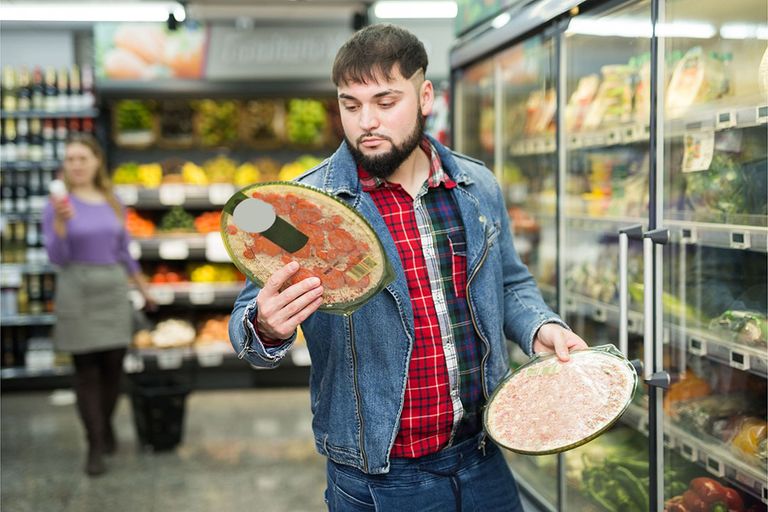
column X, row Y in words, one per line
column 93, row 12
column 404, row 10
column 743, row 31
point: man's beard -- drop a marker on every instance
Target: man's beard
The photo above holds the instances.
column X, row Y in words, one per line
column 384, row 165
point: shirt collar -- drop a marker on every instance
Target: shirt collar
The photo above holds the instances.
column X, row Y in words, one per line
column 437, row 175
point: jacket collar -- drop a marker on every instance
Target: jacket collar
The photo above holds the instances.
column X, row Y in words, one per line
column 341, row 172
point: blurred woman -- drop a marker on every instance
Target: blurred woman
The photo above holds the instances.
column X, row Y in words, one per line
column 85, row 237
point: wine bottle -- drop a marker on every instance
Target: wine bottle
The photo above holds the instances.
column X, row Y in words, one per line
column 35, row 140
column 49, row 140
column 51, row 92
column 38, row 90
column 24, row 92
column 76, row 101
column 87, row 87
column 10, row 140
column 63, row 102
column 9, row 89
column 61, row 138
column 22, row 139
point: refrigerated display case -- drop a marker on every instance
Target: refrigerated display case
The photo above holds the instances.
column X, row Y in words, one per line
column 634, row 134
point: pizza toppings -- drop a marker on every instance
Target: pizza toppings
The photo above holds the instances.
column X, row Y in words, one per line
column 549, row 406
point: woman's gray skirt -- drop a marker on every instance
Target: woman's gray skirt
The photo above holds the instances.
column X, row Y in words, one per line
column 93, row 311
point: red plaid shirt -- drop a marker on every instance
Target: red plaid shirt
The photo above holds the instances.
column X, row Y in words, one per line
column 429, row 408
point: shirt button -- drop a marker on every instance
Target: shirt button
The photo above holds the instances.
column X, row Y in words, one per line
column 482, row 219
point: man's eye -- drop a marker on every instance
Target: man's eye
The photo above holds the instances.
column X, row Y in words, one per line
column 388, row 104
column 350, row 108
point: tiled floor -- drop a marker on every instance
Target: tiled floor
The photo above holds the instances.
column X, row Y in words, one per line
column 248, row 450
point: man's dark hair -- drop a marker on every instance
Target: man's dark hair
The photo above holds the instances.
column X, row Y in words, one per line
column 375, row 51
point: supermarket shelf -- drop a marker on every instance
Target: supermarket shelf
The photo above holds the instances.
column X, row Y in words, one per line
column 196, row 294
column 26, row 165
column 705, row 343
column 718, row 116
column 603, row 224
column 190, row 196
column 23, row 320
column 715, row 459
column 207, row 247
column 174, row 89
column 41, row 114
column 32, row 373
column 544, row 145
column 729, row 236
column 616, row 136
column 29, row 268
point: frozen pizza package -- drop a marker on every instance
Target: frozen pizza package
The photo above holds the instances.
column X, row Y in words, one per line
column 548, row 406
column 267, row 225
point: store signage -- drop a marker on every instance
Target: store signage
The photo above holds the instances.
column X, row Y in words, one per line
column 273, row 53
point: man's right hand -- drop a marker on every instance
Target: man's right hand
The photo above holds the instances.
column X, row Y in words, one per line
column 280, row 313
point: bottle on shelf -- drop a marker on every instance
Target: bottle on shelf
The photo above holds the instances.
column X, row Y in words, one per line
column 61, row 138
column 76, row 101
column 49, row 288
column 35, row 140
column 51, row 92
column 3, row 158
column 20, row 242
column 49, row 140
column 86, row 83
column 21, row 193
column 23, row 296
column 87, row 125
column 24, row 92
column 10, row 140
column 22, row 139
column 7, row 191
column 9, row 89
column 74, row 125
column 35, row 293
column 38, row 90
column 63, row 101
column 6, row 250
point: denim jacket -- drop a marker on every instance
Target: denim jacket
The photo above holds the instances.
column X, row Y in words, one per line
column 360, row 361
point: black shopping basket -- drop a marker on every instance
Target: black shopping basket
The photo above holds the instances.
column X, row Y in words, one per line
column 158, row 411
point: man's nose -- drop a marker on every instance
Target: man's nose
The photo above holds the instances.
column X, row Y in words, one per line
column 368, row 119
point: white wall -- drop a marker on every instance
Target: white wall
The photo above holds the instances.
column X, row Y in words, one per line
column 37, row 47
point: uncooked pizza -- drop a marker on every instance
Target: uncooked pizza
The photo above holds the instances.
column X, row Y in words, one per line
column 548, row 406
column 268, row 225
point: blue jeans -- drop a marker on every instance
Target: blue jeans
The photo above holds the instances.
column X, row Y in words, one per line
column 459, row 478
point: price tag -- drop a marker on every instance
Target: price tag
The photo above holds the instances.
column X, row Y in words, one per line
column 739, row 360
column 219, row 193
column 614, row 137
column 133, row 363
column 688, row 236
column 163, row 295
column 172, row 194
column 740, row 240
column 210, row 358
column 762, row 114
column 128, row 194
column 551, row 145
column 715, row 467
column 630, row 134
column 529, row 147
column 300, row 356
column 599, row 314
column 632, row 324
column 202, row 294
column 575, row 141
column 174, row 250
column 725, row 120
column 689, row 452
column 169, row 359
column 134, row 248
column 697, row 347
column 669, row 441
column 215, row 249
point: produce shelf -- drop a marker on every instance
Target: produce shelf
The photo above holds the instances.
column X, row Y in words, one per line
column 700, row 342
column 190, row 196
column 717, row 460
column 25, row 320
column 719, row 116
column 176, row 247
column 196, row 294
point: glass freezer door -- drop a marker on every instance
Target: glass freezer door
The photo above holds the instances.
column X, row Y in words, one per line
column 714, row 144
column 474, row 111
column 528, row 177
column 606, row 84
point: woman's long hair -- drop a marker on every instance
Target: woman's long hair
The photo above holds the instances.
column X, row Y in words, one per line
column 101, row 181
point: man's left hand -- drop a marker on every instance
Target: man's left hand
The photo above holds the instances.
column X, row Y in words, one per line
column 556, row 338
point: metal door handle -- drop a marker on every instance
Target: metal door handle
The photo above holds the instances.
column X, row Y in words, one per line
column 652, row 301
column 636, row 233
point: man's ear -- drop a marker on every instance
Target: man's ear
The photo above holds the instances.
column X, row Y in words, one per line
column 426, row 97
